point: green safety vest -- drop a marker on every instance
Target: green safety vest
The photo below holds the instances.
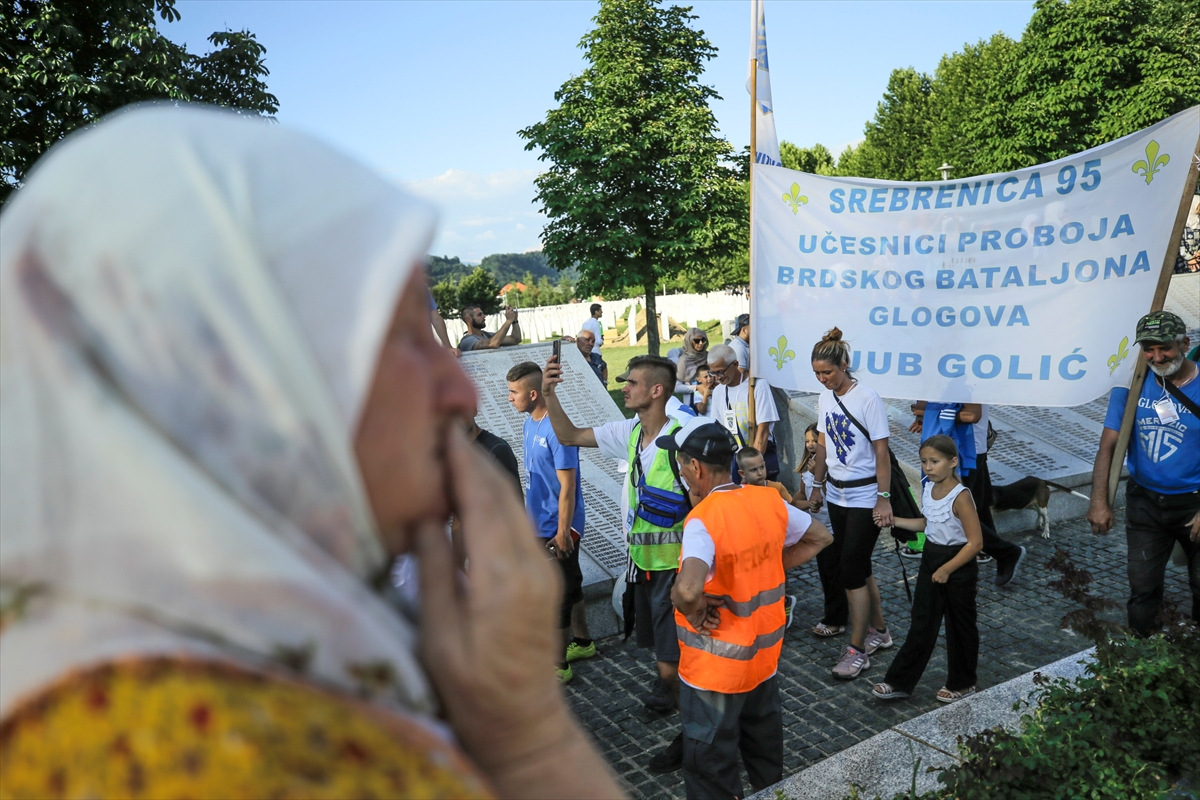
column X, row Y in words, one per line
column 651, row 547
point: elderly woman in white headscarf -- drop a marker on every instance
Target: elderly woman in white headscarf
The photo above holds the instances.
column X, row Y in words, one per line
column 693, row 357
column 223, row 414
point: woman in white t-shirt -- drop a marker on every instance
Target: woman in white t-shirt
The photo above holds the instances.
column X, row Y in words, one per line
column 852, row 458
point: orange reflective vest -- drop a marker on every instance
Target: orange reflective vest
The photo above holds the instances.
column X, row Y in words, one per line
column 748, row 526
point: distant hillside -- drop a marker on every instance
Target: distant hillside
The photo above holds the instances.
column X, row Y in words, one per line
column 504, row 267
column 443, row 267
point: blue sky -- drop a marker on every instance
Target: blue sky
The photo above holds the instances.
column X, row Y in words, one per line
column 432, row 93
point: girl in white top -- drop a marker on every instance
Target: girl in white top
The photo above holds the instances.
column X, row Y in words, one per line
column 946, row 584
column 800, row 499
column 852, row 450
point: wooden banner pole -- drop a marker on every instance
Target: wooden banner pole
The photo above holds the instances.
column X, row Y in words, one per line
column 1160, row 296
column 750, row 277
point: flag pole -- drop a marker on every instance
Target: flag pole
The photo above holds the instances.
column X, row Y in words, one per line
column 750, row 277
column 1160, row 296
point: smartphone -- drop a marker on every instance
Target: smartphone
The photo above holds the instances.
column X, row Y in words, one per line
column 552, row 546
column 558, row 351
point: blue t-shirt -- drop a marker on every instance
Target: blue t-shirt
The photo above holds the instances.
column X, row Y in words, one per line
column 1166, row 456
column 940, row 419
column 544, row 455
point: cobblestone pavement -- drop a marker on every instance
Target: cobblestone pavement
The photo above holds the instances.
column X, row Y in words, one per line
column 1018, row 629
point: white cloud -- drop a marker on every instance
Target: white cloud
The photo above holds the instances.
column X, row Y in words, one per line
column 481, row 213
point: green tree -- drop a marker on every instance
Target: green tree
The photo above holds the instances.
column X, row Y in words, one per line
column 447, row 267
column 509, row 267
column 815, row 160
column 479, row 289
column 958, row 109
column 67, row 64
column 1084, row 72
column 636, row 189
column 445, row 294
column 899, row 134
column 1090, row 71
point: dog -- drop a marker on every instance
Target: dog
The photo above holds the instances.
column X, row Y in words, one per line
column 1029, row 492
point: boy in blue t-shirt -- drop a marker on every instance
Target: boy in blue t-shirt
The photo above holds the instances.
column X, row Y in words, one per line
column 1163, row 491
column 554, row 500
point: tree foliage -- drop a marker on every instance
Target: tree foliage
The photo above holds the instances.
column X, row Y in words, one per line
column 1084, row 72
column 899, row 135
column 67, row 64
column 637, row 189
column 448, row 268
column 510, row 267
column 445, row 296
column 1090, row 71
column 541, row 292
column 815, row 160
column 479, row 289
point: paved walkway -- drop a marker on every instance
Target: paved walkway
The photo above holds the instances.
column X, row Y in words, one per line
column 1018, row 630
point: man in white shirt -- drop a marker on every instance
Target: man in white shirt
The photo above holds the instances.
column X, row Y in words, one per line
column 593, row 324
column 653, row 506
column 729, row 404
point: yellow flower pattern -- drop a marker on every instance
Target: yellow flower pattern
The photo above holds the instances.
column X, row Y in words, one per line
column 168, row 728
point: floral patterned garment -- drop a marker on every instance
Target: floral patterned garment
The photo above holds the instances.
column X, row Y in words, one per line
column 167, row 728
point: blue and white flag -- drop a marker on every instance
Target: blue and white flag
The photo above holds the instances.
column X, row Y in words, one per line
column 767, row 143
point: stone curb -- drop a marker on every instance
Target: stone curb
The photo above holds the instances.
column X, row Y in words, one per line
column 884, row 764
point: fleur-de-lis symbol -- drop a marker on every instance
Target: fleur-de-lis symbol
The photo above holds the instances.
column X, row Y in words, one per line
column 795, row 199
column 1116, row 358
column 1153, row 162
column 781, row 354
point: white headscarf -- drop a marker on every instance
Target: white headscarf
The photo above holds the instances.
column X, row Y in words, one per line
column 191, row 306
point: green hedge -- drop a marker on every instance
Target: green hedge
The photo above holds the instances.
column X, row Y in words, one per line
column 1128, row 728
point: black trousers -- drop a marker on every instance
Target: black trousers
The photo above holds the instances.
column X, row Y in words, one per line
column 979, row 483
column 829, row 570
column 1151, row 532
column 847, row 561
column 954, row 600
column 716, row 727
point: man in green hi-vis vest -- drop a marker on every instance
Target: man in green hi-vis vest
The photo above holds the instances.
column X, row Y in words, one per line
column 653, row 507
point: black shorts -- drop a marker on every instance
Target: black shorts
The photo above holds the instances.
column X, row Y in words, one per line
column 572, row 585
column 857, row 533
column 654, row 614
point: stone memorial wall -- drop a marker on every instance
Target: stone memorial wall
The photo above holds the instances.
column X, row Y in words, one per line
column 588, row 404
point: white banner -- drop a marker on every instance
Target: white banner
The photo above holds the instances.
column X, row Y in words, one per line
column 1018, row 288
column 766, row 142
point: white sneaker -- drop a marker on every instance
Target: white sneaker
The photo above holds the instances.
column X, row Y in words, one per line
column 877, row 641
column 851, row 664
column 789, row 605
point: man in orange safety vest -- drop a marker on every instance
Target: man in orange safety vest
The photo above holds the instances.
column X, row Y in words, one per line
column 729, row 614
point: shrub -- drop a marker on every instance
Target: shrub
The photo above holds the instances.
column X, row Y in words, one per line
column 1128, row 728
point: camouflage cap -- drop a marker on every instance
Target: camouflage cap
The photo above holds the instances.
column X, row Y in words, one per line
column 1159, row 327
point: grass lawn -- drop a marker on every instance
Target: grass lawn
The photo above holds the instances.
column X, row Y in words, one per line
column 618, row 359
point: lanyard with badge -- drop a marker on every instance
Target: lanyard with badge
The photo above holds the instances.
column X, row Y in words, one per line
column 731, row 424
column 1164, row 407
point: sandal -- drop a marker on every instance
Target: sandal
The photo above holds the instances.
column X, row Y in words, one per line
column 885, row 691
column 825, row 631
column 944, row 695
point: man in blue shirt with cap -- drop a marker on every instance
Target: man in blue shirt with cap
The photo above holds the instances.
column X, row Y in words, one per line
column 1162, row 494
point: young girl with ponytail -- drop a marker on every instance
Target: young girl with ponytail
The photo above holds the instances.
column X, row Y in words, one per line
column 946, row 584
